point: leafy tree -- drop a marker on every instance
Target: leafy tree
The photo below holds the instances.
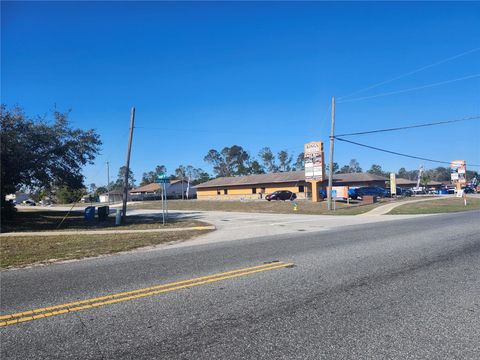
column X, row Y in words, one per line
column 228, row 162
column 402, row 173
column 377, row 170
column 100, row 190
column 352, row 167
column 254, row 167
column 285, row 161
column 67, row 195
column 299, row 163
column 425, row 179
column 37, row 154
column 268, row 160
column 151, row 176
column 335, row 168
column 203, row 176
column 121, row 177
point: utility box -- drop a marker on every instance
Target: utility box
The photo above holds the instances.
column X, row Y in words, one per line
column 369, row 199
column 89, row 213
column 103, row 212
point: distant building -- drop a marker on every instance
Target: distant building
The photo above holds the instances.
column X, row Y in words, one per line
column 174, row 191
column 113, row 196
column 257, row 186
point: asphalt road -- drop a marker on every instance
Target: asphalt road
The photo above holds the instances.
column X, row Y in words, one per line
column 406, row 289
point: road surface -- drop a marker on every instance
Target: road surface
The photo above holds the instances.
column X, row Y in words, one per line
column 405, row 289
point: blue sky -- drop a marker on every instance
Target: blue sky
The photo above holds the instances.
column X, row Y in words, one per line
column 253, row 74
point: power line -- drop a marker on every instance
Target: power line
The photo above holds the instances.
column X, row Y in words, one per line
column 409, row 73
column 399, row 154
column 412, row 126
column 412, row 88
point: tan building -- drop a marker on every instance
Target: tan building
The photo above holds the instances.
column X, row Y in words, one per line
column 257, row 186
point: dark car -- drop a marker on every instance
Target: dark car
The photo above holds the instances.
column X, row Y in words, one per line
column 281, row 195
column 400, row 192
column 469, row 190
column 368, row 190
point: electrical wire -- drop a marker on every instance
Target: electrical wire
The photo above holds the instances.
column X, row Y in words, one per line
column 409, row 73
column 472, row 76
column 399, row 154
column 412, row 126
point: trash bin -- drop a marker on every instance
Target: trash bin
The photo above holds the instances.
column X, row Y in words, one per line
column 90, row 213
column 102, row 213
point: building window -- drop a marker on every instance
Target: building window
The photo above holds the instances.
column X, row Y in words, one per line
column 254, row 190
column 262, row 190
column 218, row 192
column 225, row 191
column 301, row 188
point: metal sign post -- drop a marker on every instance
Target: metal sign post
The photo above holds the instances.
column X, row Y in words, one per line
column 162, row 179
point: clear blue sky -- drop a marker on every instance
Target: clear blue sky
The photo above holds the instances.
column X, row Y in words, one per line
column 253, row 74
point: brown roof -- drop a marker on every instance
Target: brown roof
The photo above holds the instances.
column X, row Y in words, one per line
column 402, row 181
column 146, row 188
column 283, row 177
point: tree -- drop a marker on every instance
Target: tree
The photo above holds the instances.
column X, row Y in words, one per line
column 254, row 167
column 121, row 177
column 228, row 162
column 335, row 168
column 203, row 176
column 425, row 179
column 352, row 167
column 376, row 170
column 355, row 166
column 151, row 176
column 284, row 160
column 268, row 160
column 37, row 154
column 402, row 173
column 299, row 163
column 67, row 195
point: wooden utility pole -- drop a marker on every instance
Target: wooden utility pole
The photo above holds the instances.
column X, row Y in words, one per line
column 330, row 155
column 127, row 166
column 108, row 181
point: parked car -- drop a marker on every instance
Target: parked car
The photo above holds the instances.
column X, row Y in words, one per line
column 29, row 202
column 469, row 190
column 367, row 190
column 281, row 195
column 400, row 192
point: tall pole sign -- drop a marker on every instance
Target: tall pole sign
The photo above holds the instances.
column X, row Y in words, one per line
column 458, row 173
column 314, row 165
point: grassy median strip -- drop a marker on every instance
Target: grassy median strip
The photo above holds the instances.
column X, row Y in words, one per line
column 29, row 315
column 437, row 206
column 272, row 207
column 24, row 250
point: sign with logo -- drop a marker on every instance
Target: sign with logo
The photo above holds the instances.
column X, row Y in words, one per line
column 314, row 160
column 458, row 171
column 393, row 184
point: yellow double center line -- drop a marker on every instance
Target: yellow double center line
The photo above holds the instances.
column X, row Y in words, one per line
column 40, row 313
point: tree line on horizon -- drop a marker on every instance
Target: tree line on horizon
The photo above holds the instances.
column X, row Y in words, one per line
column 46, row 155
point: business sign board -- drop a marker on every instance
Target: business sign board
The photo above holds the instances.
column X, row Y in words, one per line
column 340, row 192
column 458, row 171
column 393, row 184
column 314, row 160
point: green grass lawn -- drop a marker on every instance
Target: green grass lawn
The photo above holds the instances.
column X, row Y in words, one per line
column 37, row 219
column 24, row 250
column 437, row 206
column 279, row 207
